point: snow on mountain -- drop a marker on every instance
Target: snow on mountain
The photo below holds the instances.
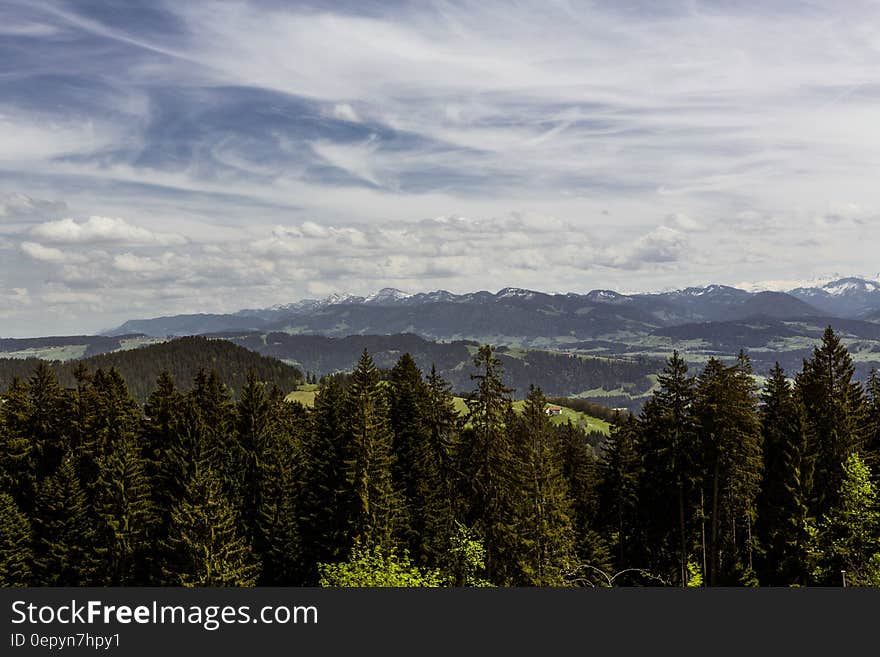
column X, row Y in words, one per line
column 515, row 293
column 851, row 286
column 386, row 295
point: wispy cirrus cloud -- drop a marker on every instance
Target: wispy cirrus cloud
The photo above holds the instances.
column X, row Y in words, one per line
column 660, row 143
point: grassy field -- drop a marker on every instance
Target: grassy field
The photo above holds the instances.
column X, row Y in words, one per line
column 305, row 394
column 587, row 422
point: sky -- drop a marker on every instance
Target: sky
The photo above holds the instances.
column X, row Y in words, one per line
column 160, row 158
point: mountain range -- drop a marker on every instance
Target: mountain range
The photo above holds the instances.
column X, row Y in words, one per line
column 516, row 315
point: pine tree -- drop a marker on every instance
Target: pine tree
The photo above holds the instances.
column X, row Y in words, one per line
column 438, row 477
column 486, row 462
column 64, row 548
column 669, row 492
column 206, row 546
column 545, row 544
column 278, row 538
column 580, row 468
column 251, row 448
column 107, row 416
column 323, row 505
column 725, row 409
column 46, row 423
column 621, row 469
column 785, row 491
column 834, row 406
column 15, row 544
column 376, row 511
column 215, row 423
column 125, row 509
column 406, row 414
column 17, row 476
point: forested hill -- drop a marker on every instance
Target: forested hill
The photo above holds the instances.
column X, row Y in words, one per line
column 556, row 373
column 181, row 358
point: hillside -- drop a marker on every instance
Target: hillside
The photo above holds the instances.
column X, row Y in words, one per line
column 182, row 358
column 70, row 346
column 559, row 374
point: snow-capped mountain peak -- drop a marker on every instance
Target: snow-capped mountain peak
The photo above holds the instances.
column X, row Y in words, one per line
column 386, row 295
column 515, row 292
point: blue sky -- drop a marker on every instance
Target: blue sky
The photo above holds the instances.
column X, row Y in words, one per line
column 158, row 158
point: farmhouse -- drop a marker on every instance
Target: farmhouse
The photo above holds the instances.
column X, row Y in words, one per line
column 553, row 410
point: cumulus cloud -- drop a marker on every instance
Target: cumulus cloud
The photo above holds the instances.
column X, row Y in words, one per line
column 97, row 230
column 44, row 253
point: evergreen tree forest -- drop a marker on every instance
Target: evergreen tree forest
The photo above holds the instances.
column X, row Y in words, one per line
column 717, row 482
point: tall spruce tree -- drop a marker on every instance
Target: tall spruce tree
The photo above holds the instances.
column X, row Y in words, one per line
column 407, row 418
column 64, row 536
column 785, row 490
column 16, row 555
column 376, row 505
column 323, row 502
column 47, row 421
column 486, row 462
column 278, row 540
column 725, row 410
column 669, row 493
column 545, row 547
column 126, row 517
column 621, row 469
column 580, row 468
column 436, row 462
column 250, row 451
column 205, row 544
column 18, row 477
column 834, row 406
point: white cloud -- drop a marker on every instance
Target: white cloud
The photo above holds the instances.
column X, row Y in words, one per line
column 43, row 253
column 102, row 229
column 345, row 112
column 129, row 262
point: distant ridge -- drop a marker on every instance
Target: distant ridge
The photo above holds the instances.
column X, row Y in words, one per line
column 520, row 312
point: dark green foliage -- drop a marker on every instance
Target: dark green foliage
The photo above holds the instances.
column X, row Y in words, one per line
column 669, row 494
column 324, row 528
column 204, row 542
column 15, row 544
column 487, row 461
column 406, row 414
column 383, row 481
column 277, row 531
column 436, row 503
column 834, row 407
column 621, row 469
column 17, row 474
column 785, row 492
column 65, row 540
column 725, row 409
column 181, row 358
column 376, row 506
column 544, row 547
column 125, row 511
